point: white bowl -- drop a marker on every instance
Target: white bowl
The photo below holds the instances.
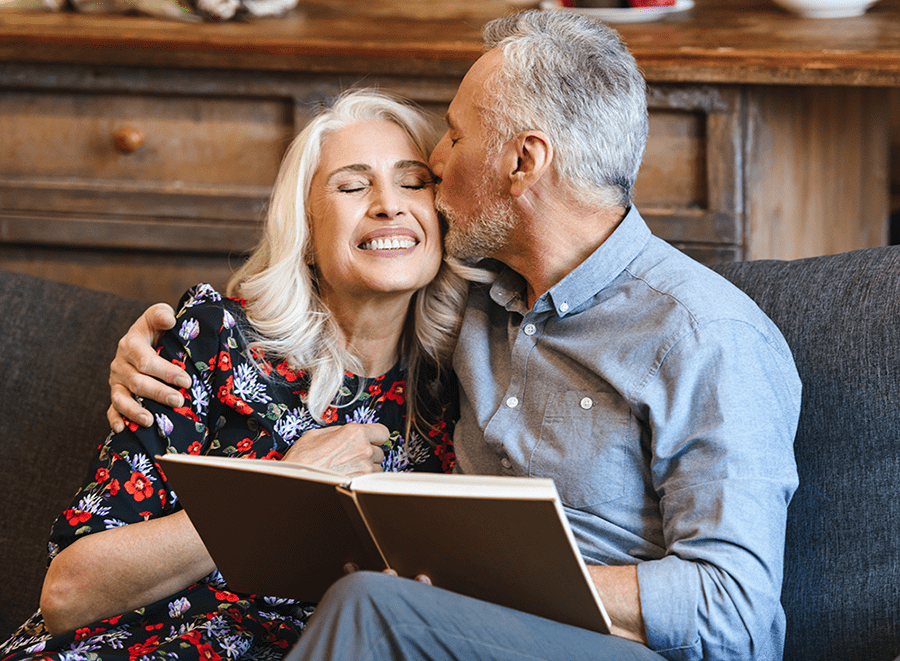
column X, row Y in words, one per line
column 826, row 8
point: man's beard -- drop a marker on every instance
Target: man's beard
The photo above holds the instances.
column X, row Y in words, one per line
column 484, row 233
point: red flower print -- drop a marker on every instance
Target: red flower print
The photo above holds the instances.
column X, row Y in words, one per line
column 81, row 634
column 274, row 455
column 76, row 517
column 162, row 497
column 397, row 392
column 375, row 390
column 192, row 636
column 139, row 487
column 227, row 396
column 114, row 487
column 207, row 652
column 224, row 361
column 179, row 363
column 285, row 370
column 141, row 649
column 187, row 412
column 102, row 475
column 243, row 446
column 230, row 597
column 447, row 455
column 132, row 427
column 195, row 448
column 330, row 415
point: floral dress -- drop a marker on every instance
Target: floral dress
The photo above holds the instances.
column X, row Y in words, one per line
column 240, row 406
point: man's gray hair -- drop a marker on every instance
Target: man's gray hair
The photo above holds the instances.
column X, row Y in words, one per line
column 572, row 78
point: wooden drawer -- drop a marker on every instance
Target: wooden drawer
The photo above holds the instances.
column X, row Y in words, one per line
column 200, row 157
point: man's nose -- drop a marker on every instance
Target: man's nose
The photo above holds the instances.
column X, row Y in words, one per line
column 436, row 160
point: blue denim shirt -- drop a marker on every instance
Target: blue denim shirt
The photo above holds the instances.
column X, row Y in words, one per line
column 663, row 403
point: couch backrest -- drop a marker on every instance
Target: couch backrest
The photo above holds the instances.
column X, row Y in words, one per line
column 841, row 316
column 56, row 343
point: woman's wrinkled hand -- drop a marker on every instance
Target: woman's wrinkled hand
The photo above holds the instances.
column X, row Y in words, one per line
column 351, row 449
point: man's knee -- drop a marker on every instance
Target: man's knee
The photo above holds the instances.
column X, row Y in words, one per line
column 360, row 589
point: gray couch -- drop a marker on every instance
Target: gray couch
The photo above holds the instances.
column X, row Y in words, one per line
column 840, row 314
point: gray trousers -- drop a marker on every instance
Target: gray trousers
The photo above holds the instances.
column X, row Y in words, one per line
column 374, row 616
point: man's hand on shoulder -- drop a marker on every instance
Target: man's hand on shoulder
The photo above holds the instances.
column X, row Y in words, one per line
column 138, row 370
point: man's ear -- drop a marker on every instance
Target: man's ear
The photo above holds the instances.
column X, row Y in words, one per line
column 527, row 158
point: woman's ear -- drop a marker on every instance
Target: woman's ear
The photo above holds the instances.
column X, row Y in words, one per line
column 527, row 160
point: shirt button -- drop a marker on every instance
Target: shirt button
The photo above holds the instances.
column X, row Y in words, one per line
column 587, row 403
column 563, row 307
column 505, row 462
column 530, row 329
column 512, row 402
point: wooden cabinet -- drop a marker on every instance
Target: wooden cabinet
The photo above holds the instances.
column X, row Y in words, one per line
column 136, row 155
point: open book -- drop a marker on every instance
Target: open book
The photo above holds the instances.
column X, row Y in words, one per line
column 280, row 529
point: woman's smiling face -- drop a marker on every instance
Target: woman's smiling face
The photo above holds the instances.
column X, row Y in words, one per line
column 374, row 228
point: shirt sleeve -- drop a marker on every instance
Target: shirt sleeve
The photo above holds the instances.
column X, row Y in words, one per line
column 124, row 484
column 722, row 412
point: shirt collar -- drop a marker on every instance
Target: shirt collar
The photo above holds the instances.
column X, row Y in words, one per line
column 582, row 284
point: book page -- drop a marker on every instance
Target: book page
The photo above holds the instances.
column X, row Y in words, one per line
column 273, row 533
column 470, row 486
column 514, row 552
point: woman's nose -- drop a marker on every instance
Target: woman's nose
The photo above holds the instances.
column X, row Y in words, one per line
column 387, row 203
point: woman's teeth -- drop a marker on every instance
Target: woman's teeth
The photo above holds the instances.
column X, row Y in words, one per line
column 389, row 244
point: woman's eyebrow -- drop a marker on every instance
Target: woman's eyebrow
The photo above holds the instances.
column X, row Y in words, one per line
column 356, row 167
column 409, row 164
column 406, row 164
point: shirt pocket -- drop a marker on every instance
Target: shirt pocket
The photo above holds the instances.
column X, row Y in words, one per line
column 582, row 446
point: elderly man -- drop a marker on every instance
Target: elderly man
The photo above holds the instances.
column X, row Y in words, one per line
column 659, row 398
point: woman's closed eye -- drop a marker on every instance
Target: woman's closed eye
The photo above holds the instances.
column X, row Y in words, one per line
column 353, row 187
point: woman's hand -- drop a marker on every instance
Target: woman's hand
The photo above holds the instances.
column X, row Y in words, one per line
column 137, row 367
column 351, row 449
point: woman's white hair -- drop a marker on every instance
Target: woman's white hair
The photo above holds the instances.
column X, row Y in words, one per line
column 289, row 319
column 572, row 78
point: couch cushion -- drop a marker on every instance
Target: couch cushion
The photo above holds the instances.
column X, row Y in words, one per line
column 57, row 342
column 841, row 316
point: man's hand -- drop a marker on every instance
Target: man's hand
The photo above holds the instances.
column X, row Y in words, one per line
column 137, row 367
column 351, row 449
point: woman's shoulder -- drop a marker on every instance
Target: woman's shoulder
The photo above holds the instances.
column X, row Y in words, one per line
column 202, row 309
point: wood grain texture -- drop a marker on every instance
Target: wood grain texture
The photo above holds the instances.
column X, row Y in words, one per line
column 722, row 41
column 817, row 170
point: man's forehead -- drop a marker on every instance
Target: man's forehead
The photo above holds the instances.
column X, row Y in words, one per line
column 474, row 89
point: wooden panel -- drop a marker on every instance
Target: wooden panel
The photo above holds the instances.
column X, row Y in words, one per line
column 817, row 170
column 689, row 188
column 894, row 114
column 673, row 173
column 150, row 276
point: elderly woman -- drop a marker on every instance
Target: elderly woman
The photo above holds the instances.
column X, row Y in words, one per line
column 331, row 350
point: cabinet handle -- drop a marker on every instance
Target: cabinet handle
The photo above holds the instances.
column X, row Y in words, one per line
column 127, row 139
